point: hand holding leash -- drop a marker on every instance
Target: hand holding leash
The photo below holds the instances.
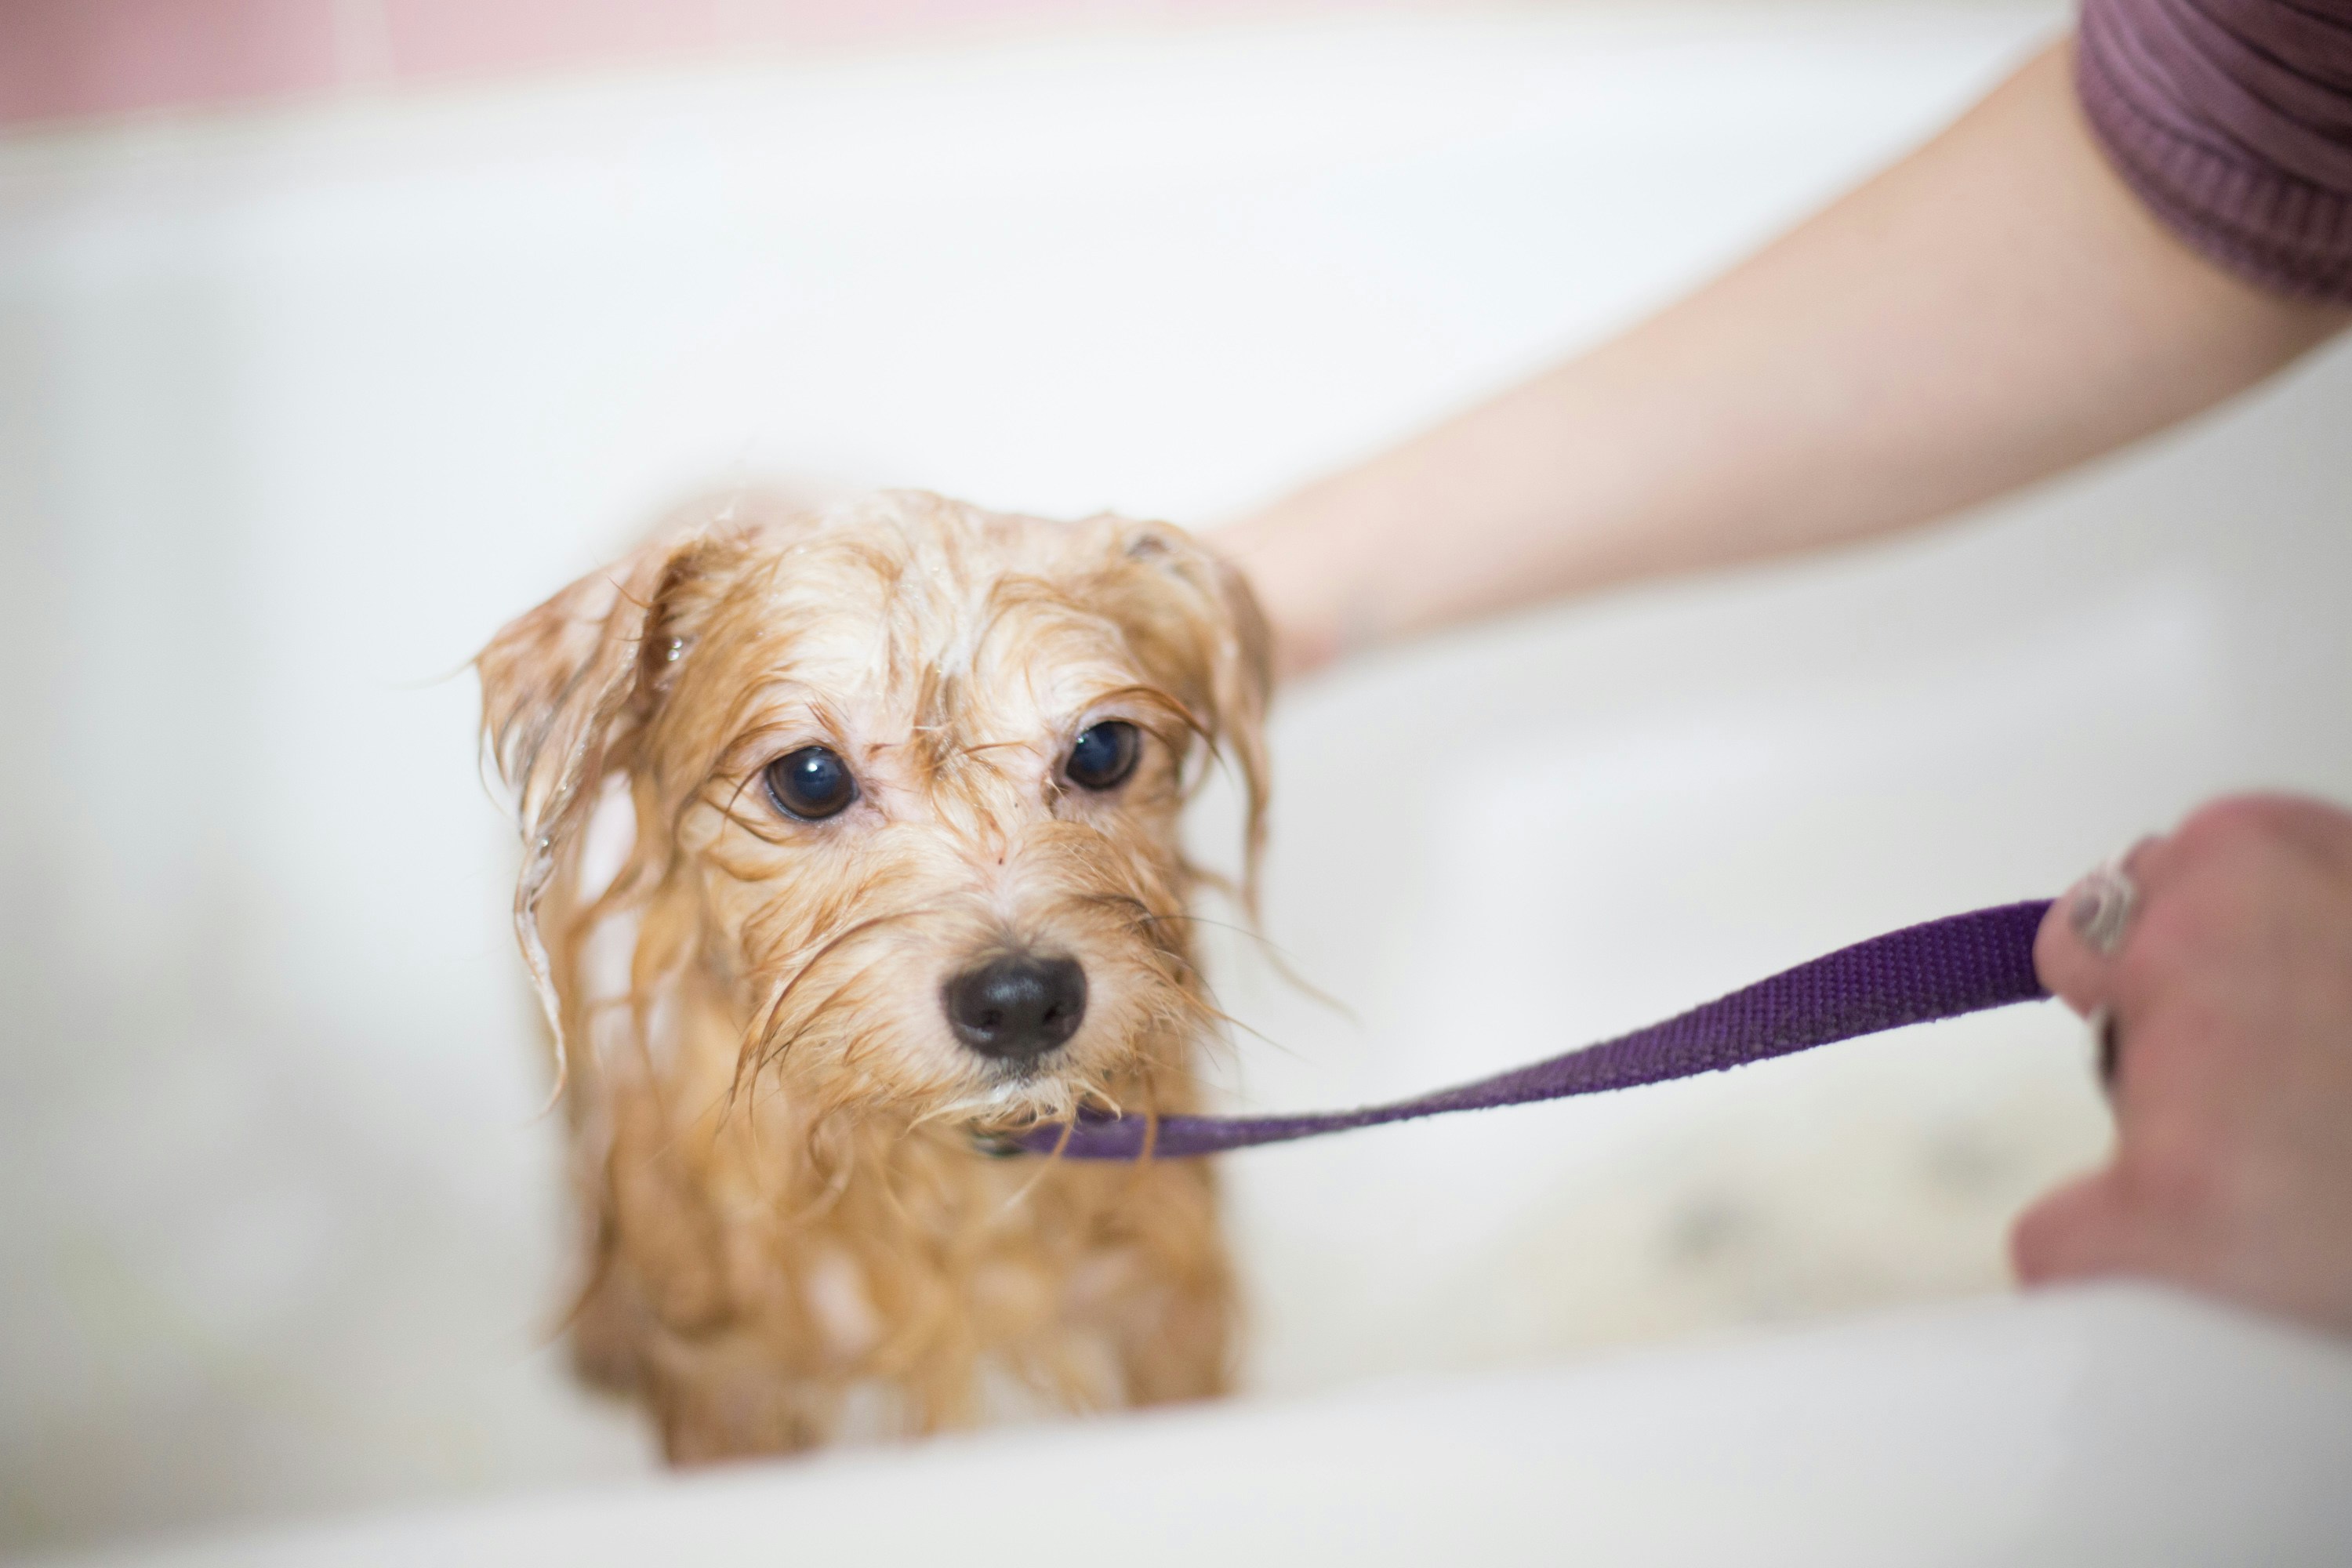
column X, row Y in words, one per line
column 2216, row 965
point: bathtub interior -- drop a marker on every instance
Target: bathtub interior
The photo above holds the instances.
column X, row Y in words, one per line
column 296, row 406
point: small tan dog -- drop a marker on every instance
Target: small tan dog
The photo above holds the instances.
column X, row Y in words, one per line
column 850, row 834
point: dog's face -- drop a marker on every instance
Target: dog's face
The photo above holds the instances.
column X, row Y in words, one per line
column 901, row 786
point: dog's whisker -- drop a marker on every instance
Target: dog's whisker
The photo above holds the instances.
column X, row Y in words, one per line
column 1285, row 963
column 1046, row 1167
column 765, row 1024
column 824, row 949
column 772, row 1057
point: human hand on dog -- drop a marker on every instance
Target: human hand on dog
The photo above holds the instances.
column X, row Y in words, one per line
column 2231, row 999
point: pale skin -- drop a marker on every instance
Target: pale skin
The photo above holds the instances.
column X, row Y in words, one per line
column 1995, row 308
column 2232, row 993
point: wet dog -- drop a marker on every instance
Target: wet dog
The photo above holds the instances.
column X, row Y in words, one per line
column 851, row 840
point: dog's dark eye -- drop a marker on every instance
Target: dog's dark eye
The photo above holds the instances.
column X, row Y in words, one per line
column 1104, row 755
column 811, row 784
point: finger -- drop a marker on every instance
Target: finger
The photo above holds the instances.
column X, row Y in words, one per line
column 2081, row 1230
column 2067, row 967
column 2322, row 832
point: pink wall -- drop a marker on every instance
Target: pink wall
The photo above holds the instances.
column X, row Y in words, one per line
column 63, row 59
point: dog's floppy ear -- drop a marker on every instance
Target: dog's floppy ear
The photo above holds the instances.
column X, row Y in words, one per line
column 567, row 689
column 1194, row 623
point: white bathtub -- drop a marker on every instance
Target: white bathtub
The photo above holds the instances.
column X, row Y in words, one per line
column 2113, row 1426
column 296, row 407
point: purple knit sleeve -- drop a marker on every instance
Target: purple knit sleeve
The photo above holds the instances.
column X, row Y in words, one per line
column 2232, row 119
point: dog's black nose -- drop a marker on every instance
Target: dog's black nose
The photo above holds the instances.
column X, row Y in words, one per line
column 1017, row 1007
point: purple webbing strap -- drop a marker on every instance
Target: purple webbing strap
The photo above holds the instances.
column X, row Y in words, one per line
column 1963, row 963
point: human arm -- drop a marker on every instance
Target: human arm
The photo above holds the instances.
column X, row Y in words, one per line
column 1995, row 308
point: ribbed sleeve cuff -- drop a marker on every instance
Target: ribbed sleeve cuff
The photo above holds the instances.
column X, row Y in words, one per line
column 2192, row 159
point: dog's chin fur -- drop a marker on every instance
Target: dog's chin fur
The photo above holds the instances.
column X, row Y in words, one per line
column 791, row 1234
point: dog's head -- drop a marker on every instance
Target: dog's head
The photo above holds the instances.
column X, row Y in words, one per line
column 894, row 786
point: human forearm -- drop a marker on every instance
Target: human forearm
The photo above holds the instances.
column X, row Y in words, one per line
column 1994, row 308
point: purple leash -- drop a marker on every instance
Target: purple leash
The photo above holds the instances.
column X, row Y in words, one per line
column 1963, row 963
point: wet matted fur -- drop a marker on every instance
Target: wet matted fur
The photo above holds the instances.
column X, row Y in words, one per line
column 791, row 1231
